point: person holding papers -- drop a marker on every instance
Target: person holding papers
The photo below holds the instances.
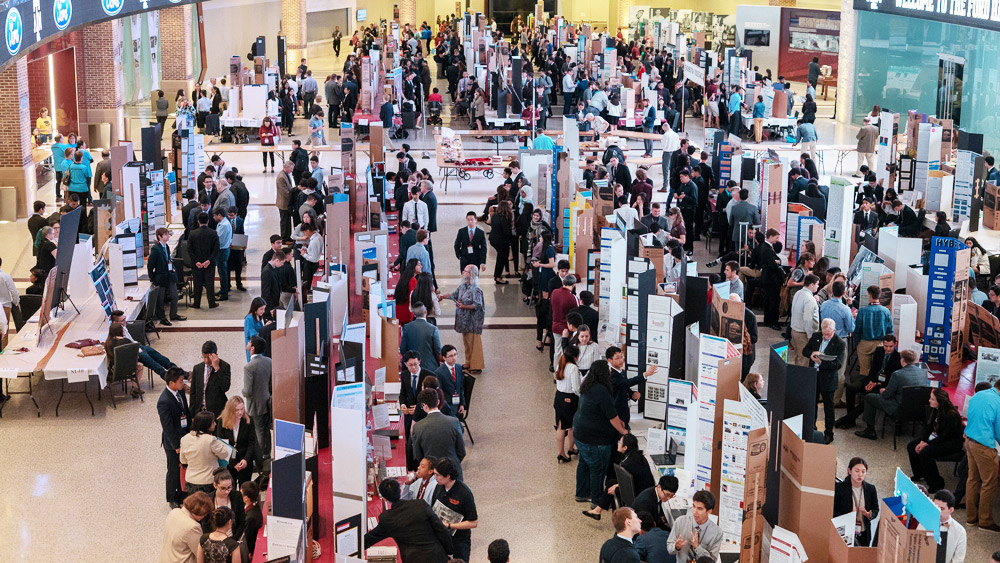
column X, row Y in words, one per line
column 856, row 495
column 175, row 419
column 419, row 534
column 454, row 503
column 237, row 429
column 825, row 351
column 694, row 537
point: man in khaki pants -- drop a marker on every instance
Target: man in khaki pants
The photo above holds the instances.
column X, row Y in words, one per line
column 981, row 435
column 804, row 318
column 871, row 325
column 867, row 137
column 758, row 118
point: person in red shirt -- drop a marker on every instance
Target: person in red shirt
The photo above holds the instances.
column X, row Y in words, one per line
column 562, row 301
column 435, row 97
column 268, row 133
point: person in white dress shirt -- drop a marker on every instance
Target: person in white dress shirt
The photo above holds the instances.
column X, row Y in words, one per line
column 421, row 483
column 954, row 538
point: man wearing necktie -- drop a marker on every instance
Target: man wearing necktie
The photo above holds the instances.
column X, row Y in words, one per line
column 695, row 538
column 470, row 244
column 282, row 199
column 410, row 381
column 452, row 380
column 866, row 219
column 174, row 422
column 163, row 277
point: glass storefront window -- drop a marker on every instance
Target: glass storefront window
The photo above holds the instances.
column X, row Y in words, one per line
column 897, row 67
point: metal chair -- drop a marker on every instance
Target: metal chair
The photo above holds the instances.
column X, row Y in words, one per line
column 469, row 383
column 913, row 405
column 150, row 314
column 124, row 368
column 626, row 486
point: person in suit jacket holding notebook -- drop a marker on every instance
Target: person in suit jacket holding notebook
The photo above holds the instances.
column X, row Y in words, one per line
column 209, row 381
column 163, row 277
column 417, row 531
column 175, row 419
column 470, row 244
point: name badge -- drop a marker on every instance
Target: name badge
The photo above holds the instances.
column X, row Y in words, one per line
column 454, row 399
column 184, row 421
column 469, row 249
column 858, row 529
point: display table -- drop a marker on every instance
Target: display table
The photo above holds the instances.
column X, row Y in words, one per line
column 842, row 151
column 825, row 82
column 53, row 360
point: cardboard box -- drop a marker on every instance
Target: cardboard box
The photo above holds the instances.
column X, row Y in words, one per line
column 897, row 543
column 808, row 474
column 754, row 495
column 841, row 553
column 727, row 319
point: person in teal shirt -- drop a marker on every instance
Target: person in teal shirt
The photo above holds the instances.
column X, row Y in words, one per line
column 543, row 142
column 59, row 162
column 735, row 107
column 254, row 321
column 79, row 178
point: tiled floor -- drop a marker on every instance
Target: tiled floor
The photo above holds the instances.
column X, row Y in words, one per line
column 96, row 483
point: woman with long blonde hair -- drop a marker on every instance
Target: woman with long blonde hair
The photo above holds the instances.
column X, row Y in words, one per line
column 236, row 428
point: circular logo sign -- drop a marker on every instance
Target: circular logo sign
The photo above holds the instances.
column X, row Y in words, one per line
column 13, row 31
column 62, row 12
column 112, row 7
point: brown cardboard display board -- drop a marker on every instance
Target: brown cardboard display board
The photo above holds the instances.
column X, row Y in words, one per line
column 726, row 319
column 773, row 194
column 808, row 473
column 258, row 70
column 390, row 348
column 912, row 128
column 779, row 107
column 991, row 207
column 839, row 552
column 754, row 494
column 104, row 227
column 120, row 156
column 376, row 141
column 338, row 233
column 655, row 256
column 947, row 136
column 728, row 388
column 897, row 544
column 583, row 242
column 983, row 327
column 287, row 381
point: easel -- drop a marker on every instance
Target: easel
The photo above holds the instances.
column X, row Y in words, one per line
column 64, row 296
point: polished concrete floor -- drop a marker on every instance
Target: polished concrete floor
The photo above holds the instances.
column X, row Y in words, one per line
column 96, row 483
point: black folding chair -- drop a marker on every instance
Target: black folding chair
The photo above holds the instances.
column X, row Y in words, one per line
column 125, row 368
column 30, row 304
column 913, row 405
column 150, row 317
column 626, row 486
column 469, row 384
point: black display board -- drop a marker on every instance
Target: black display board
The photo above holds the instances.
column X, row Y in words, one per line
column 791, row 391
column 69, row 234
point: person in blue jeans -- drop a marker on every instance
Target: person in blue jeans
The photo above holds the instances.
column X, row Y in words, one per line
column 225, row 231
column 735, row 110
column 147, row 355
column 596, row 429
column 59, row 162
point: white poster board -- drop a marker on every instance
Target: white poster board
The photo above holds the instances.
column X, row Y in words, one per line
column 839, row 218
column 904, row 320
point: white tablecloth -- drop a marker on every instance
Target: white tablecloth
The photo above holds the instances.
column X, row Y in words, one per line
column 66, row 363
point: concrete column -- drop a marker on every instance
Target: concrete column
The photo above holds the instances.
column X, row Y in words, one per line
column 846, row 61
column 407, row 12
column 101, row 98
column 293, row 27
column 17, row 168
column 176, row 51
column 619, row 18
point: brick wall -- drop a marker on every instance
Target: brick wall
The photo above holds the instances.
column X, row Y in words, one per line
column 175, row 43
column 102, row 86
column 293, row 24
column 16, row 149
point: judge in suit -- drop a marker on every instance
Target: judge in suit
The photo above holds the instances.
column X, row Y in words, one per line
column 421, row 337
column 283, row 200
column 36, row 222
column 470, row 244
column 854, row 494
column 452, row 381
column 411, row 380
column 235, row 427
column 209, row 381
column 909, row 226
column 867, row 220
column 162, row 275
column 885, row 362
column 826, row 343
column 257, row 389
column 911, row 374
column 175, row 419
column 407, row 238
column 437, row 435
column 417, row 531
column 619, row 173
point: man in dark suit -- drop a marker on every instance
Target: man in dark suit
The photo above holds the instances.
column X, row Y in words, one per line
column 437, row 435
column 885, row 362
column 411, row 379
column 771, row 277
column 825, row 342
column 427, row 196
column 621, row 385
column 162, row 275
column 651, row 500
column 406, row 163
column 470, row 244
column 36, row 222
column 619, row 173
column 621, row 548
column 589, row 315
column 908, row 224
column 407, row 238
column 452, row 381
column 175, row 419
column 866, row 219
column 209, row 381
column 417, row 531
column 888, row 400
column 204, row 242
column 421, row 337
